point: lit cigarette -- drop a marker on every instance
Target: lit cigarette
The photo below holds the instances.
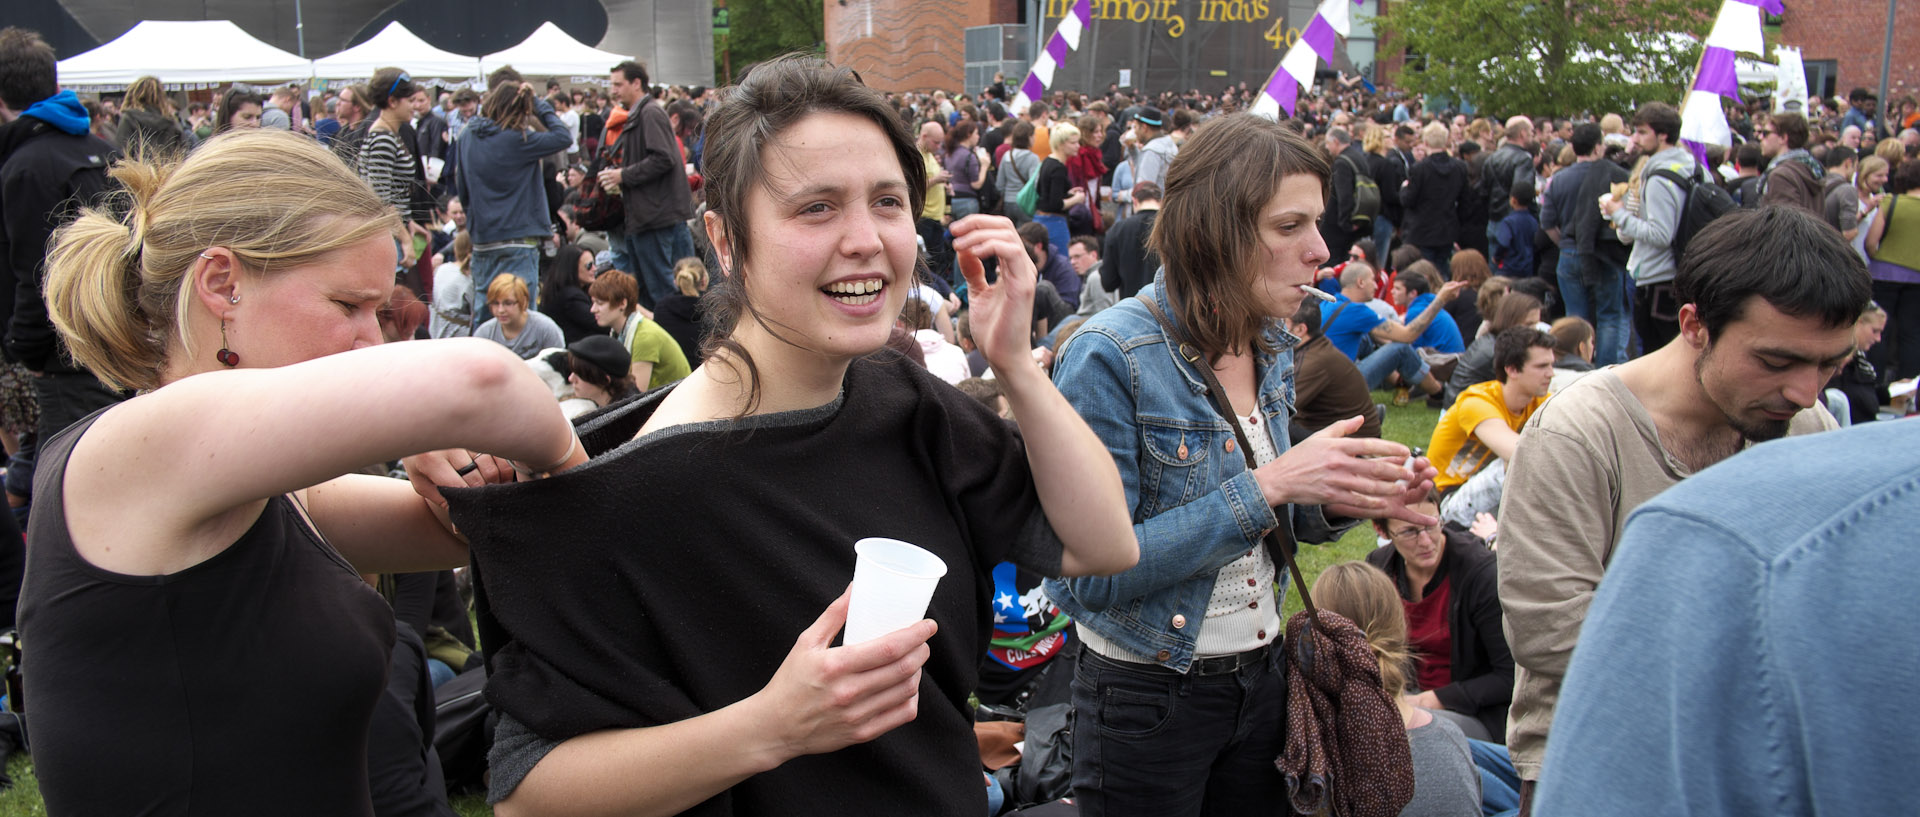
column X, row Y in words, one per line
column 1316, row 292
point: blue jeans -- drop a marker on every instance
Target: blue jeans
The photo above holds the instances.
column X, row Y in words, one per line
column 1441, row 257
column 963, row 207
column 1602, row 303
column 1152, row 742
column 1382, row 240
column 650, row 256
column 521, row 261
column 1499, row 783
column 1393, row 357
column 1057, row 234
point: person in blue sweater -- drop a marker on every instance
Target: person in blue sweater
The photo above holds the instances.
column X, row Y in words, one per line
column 1751, row 671
column 500, row 184
column 1513, row 238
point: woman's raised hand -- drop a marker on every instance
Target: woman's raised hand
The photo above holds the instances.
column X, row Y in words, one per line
column 825, row 698
column 1002, row 312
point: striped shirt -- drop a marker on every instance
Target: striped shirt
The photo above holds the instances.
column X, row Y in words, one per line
column 384, row 163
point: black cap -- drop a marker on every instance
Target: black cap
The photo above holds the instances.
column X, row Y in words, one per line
column 1151, row 116
column 605, row 352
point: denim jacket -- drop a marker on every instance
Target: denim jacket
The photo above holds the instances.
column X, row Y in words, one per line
column 1196, row 507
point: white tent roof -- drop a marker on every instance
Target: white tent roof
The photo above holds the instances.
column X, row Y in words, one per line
column 184, row 51
column 395, row 46
column 549, row 52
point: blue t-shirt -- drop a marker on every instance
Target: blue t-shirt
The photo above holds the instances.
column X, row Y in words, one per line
column 1345, row 329
column 1442, row 335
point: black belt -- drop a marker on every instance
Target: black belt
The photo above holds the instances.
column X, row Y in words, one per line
column 1227, row 664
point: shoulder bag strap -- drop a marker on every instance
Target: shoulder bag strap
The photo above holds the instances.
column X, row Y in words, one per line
column 1279, row 539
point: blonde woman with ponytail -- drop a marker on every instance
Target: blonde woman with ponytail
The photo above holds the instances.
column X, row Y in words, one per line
column 203, row 641
column 1446, row 783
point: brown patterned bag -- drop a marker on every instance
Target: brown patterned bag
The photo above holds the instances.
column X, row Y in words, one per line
column 1346, row 750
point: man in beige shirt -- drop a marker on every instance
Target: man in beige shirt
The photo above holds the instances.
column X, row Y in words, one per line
column 1769, row 298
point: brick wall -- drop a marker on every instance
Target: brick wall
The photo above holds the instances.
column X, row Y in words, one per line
column 907, row 45
column 1852, row 32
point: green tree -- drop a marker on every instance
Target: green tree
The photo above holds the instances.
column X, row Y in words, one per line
column 763, row 29
column 1549, row 56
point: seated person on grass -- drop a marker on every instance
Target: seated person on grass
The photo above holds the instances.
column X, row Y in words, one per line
column 657, row 359
column 1327, row 387
column 1382, row 347
column 1477, row 437
column 1573, row 349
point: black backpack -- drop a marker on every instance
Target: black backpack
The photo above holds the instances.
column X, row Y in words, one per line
column 1703, row 204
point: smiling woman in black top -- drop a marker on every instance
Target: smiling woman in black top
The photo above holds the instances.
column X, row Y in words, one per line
column 666, row 652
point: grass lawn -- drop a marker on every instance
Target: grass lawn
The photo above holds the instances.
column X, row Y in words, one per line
column 1410, row 425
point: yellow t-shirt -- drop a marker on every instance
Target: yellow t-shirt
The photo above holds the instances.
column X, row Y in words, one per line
column 936, row 205
column 1454, row 450
column 652, row 344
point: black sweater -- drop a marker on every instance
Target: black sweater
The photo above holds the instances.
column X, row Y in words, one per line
column 1435, row 192
column 669, row 576
column 1052, row 188
column 1482, row 664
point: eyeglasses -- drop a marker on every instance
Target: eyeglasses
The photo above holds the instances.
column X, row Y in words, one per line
column 1411, row 534
column 396, row 82
column 1763, row 133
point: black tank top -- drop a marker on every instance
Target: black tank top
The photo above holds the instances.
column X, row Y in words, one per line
column 241, row 685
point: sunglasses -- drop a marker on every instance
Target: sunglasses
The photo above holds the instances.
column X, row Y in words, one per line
column 396, row 82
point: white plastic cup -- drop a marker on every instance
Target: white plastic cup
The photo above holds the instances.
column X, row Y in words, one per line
column 893, row 583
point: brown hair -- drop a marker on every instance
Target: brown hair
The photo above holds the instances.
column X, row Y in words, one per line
column 1208, row 232
column 775, row 96
column 915, row 315
column 1470, row 266
column 1512, row 311
column 1362, row 594
column 145, row 94
column 613, row 287
column 117, row 285
column 510, row 105
column 1492, row 291
column 1569, row 332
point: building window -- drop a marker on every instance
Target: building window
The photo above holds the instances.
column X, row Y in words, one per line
column 1822, row 76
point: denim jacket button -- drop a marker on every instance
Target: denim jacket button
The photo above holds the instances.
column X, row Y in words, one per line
column 1229, row 446
column 1179, row 621
column 1166, row 654
column 1182, row 452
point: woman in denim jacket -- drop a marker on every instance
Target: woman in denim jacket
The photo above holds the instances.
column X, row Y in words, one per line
column 1179, row 695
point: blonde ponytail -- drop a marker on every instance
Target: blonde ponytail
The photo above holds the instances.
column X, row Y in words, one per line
column 1366, row 596
column 117, row 285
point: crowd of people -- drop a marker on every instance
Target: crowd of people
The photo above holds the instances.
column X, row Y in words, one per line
column 318, row 403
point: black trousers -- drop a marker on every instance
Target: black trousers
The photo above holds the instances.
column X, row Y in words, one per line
column 1656, row 315
column 1897, row 357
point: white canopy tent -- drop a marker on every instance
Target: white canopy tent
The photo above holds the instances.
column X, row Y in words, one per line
column 181, row 52
column 398, row 47
column 549, row 52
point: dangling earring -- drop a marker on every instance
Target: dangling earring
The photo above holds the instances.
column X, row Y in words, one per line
column 226, row 356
